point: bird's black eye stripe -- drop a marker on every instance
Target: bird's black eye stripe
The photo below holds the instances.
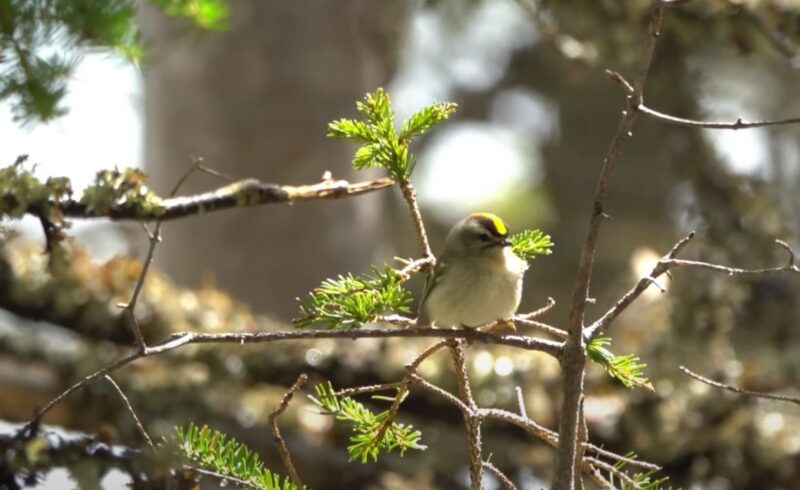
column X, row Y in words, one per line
column 485, row 237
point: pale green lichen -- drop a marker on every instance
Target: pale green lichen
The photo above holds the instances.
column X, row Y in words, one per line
column 124, row 190
column 21, row 192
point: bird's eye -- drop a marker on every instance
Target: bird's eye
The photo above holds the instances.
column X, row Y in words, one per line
column 485, row 237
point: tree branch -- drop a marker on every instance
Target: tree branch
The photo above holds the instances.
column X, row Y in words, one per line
column 472, row 421
column 573, row 360
column 181, row 339
column 248, row 192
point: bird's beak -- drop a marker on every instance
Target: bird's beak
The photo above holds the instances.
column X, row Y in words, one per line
column 505, row 243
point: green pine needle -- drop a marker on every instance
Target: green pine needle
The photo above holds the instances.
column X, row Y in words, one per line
column 628, row 369
column 644, row 481
column 372, row 433
column 529, row 244
column 215, row 451
column 351, row 301
column 381, row 145
column 425, row 118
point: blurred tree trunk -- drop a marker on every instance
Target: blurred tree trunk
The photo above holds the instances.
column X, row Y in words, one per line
column 254, row 101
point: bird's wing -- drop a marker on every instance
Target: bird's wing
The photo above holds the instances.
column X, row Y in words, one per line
column 433, row 278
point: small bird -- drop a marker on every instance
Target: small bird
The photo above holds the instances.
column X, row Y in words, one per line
column 477, row 278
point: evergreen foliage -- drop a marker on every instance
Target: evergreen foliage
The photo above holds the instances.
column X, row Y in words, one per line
column 351, row 301
column 215, row 451
column 41, row 41
column 643, row 481
column 529, row 244
column 372, row 432
column 628, row 369
column 381, row 145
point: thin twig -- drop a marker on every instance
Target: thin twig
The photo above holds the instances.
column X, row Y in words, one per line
column 521, row 402
column 551, row 437
column 504, row 480
column 402, row 388
column 409, row 195
column 132, row 412
column 426, row 353
column 614, row 471
column 668, row 262
column 736, row 125
column 360, row 390
column 424, row 383
column 538, row 312
column 741, row 391
column 781, row 42
column 543, row 327
column 415, row 266
column 155, row 239
column 573, row 361
column 283, row 449
column 692, row 123
column 222, row 477
column 166, row 346
column 568, row 46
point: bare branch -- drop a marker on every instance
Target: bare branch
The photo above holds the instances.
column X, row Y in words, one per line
column 668, row 262
column 472, row 423
column 410, row 196
column 283, row 449
column 692, row 123
column 736, row 125
column 741, row 391
column 132, row 412
column 573, row 360
column 248, row 192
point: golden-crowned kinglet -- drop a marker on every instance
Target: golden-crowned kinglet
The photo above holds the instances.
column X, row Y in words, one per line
column 477, row 278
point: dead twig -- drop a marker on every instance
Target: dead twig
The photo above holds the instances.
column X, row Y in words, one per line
column 668, row 262
column 740, row 391
column 128, row 405
column 283, row 449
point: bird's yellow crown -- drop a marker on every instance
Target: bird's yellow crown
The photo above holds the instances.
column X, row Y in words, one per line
column 495, row 222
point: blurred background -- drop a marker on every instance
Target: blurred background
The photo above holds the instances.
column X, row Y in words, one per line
column 536, row 115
